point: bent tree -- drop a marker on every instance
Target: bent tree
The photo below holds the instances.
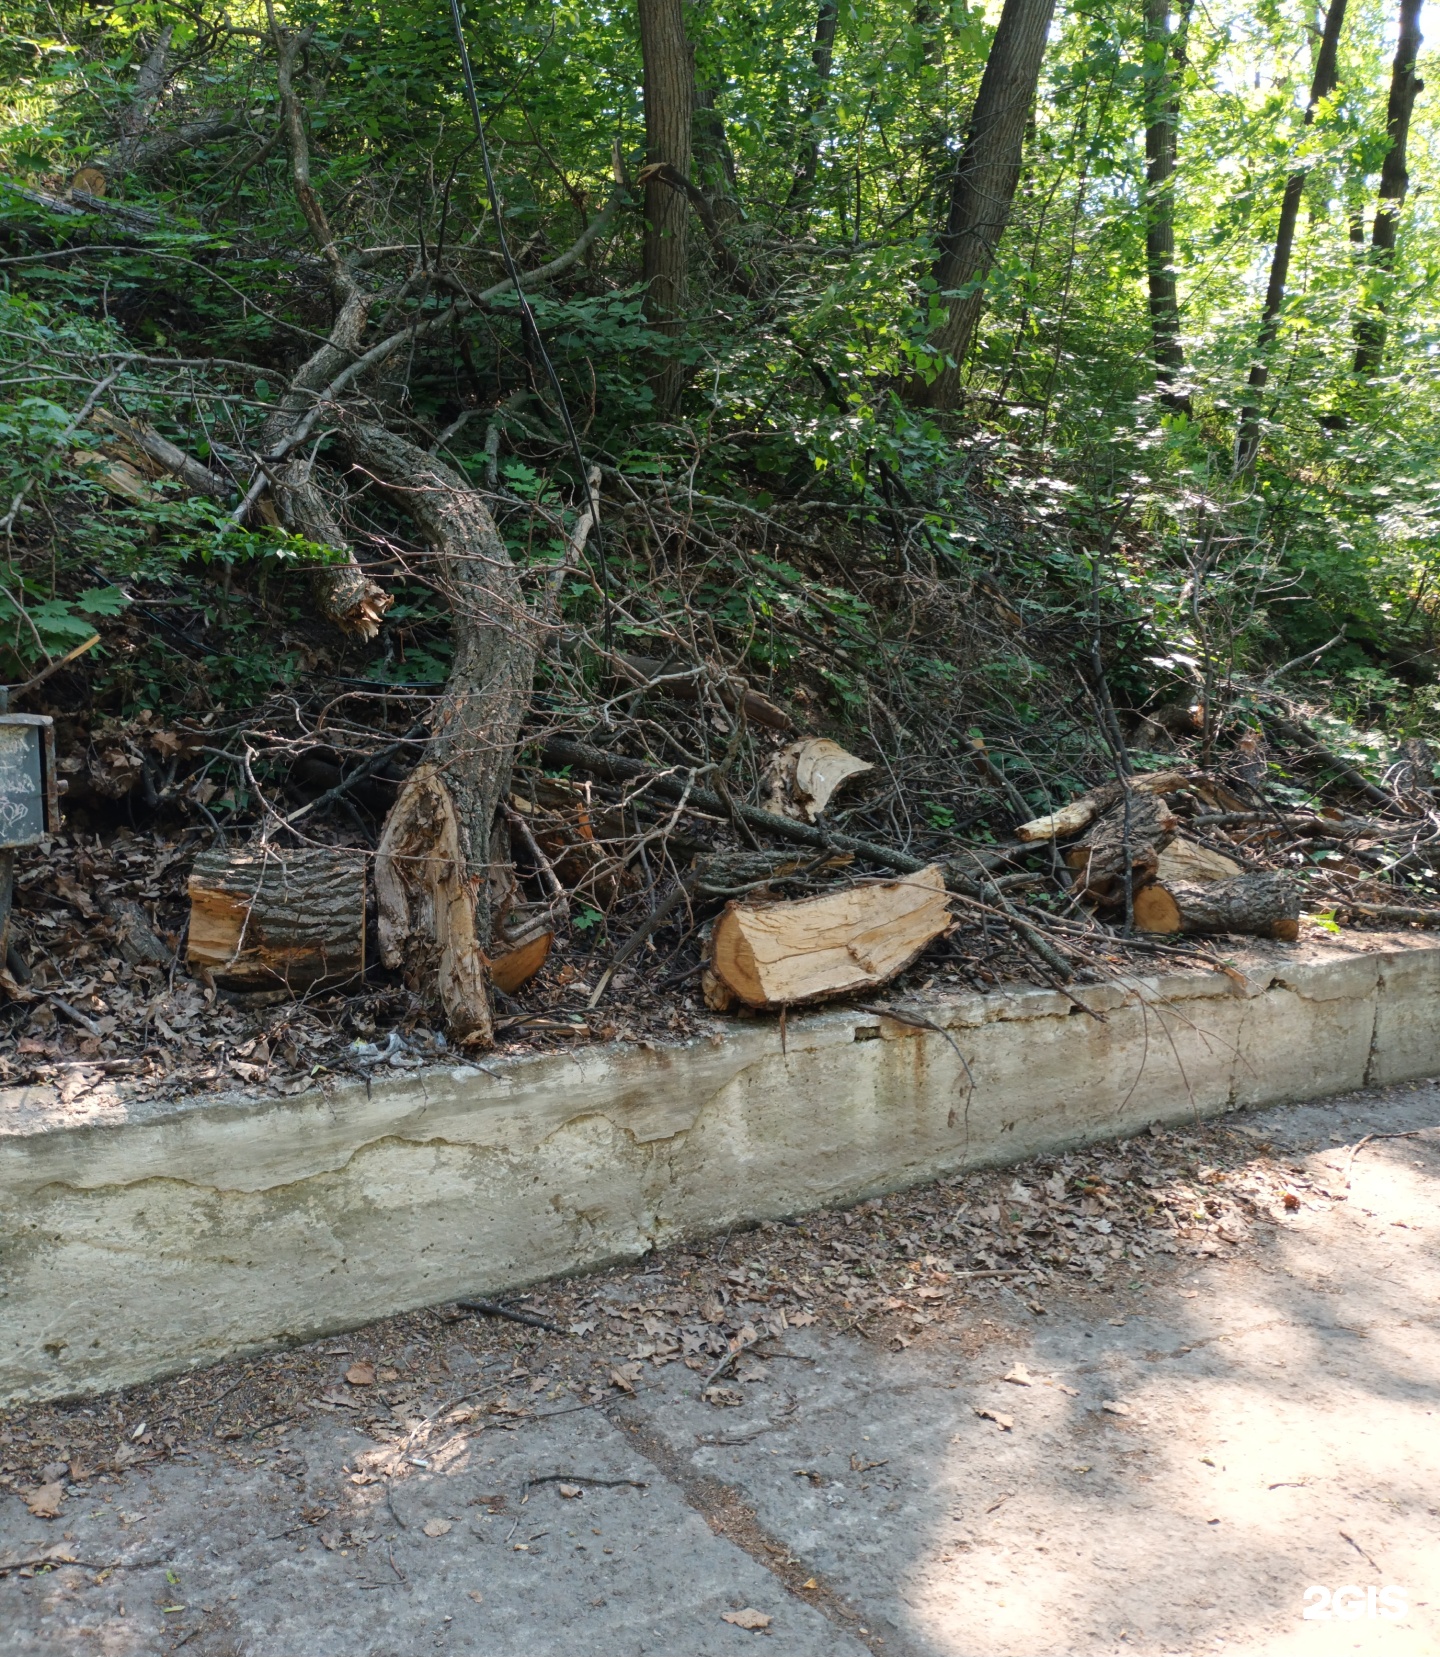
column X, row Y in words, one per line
column 982, row 188
column 1164, row 67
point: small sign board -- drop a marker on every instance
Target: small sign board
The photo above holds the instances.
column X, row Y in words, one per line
column 29, row 806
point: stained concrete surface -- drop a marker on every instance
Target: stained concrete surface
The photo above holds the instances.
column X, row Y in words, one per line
column 1274, row 1426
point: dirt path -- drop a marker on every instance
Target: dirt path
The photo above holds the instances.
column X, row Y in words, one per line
column 1181, row 1454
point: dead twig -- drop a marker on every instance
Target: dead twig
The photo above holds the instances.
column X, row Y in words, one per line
column 493, row 1309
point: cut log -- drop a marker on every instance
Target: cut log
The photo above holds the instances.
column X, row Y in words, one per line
column 1183, row 862
column 1264, row 905
column 804, row 775
column 1079, row 814
column 262, row 918
column 134, row 935
column 785, row 954
column 1099, row 860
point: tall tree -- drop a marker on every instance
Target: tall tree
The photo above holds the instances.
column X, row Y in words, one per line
column 1164, row 65
column 983, row 184
column 1394, row 183
column 822, row 59
column 1322, row 84
column 669, row 69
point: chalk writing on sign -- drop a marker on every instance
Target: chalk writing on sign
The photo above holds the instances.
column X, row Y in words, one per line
column 22, row 788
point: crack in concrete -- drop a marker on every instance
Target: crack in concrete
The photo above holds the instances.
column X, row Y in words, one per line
column 734, row 1520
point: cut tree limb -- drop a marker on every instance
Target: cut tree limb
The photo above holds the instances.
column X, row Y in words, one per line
column 1184, row 861
column 1121, row 838
column 1265, row 905
column 261, row 917
column 1079, row 814
column 786, row 954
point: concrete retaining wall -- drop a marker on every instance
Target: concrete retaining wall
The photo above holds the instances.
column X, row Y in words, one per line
column 136, row 1240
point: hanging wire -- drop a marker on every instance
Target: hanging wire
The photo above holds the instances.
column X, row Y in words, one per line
column 530, row 327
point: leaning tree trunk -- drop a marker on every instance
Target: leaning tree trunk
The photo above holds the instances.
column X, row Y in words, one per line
column 1162, row 120
column 669, row 114
column 1394, row 184
column 1247, row 434
column 985, row 179
column 435, row 864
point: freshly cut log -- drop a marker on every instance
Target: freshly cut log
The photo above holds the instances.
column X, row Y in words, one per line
column 1099, row 859
column 262, row 918
column 1263, row 905
column 1183, row 861
column 783, row 954
column 1079, row 814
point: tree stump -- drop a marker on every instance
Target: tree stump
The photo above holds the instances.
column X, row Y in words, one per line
column 1264, row 905
column 262, row 918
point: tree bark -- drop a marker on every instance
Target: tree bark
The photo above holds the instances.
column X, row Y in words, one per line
column 1162, row 120
column 1394, row 184
column 262, row 918
column 1263, row 905
column 822, row 58
column 434, row 869
column 669, row 71
column 1121, row 840
column 1247, row 435
column 984, row 182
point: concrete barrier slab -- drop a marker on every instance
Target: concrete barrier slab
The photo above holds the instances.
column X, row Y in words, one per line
column 141, row 1238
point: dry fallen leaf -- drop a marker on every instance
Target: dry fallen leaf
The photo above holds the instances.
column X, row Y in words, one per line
column 570, row 1491
column 476, row 1595
column 724, row 1397
column 748, row 1618
column 45, row 1499
column 625, row 1376
column 1019, row 1375
column 436, row 1527
column 1114, row 1407
column 1003, row 1422
column 800, row 1320
column 361, row 1375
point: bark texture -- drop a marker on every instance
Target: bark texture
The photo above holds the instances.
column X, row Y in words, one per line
column 1394, row 185
column 1164, row 62
column 1247, row 435
column 447, row 817
column 984, row 183
column 1262, row 905
column 669, row 71
column 1120, row 839
column 261, row 918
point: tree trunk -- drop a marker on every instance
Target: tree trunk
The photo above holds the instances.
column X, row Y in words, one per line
column 1260, row 905
column 433, row 870
column 984, row 183
column 1162, row 120
column 669, row 70
column 715, row 160
column 1394, row 183
column 1247, row 435
column 827, row 21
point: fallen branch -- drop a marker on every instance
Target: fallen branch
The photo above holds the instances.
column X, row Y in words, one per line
column 493, row 1309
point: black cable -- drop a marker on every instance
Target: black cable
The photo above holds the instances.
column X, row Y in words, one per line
column 527, row 318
